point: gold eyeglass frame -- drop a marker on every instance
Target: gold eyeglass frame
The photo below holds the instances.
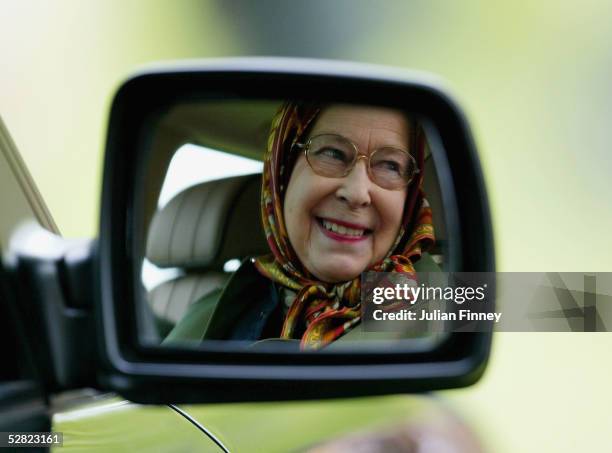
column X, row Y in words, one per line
column 306, row 147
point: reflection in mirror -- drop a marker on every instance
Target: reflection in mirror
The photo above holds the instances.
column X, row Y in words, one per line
column 258, row 218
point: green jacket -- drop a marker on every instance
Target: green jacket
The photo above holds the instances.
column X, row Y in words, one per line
column 244, row 308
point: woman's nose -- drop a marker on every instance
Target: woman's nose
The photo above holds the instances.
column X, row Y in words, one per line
column 355, row 187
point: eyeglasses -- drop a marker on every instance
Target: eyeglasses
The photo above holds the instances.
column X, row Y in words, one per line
column 334, row 156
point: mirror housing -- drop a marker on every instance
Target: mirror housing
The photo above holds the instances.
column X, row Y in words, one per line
column 180, row 375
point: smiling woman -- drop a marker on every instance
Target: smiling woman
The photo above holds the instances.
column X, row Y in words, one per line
column 342, row 214
column 341, row 195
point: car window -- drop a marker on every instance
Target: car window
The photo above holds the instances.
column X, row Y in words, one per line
column 193, row 164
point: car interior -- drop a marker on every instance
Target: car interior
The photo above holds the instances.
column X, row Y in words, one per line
column 211, row 224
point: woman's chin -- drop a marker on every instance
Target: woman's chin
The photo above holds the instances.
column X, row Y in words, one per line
column 338, row 270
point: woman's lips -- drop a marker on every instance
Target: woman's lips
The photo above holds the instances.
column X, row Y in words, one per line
column 342, row 231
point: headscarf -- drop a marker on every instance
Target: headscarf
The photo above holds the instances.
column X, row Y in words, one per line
column 321, row 311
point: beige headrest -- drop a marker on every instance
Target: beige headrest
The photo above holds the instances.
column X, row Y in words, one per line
column 209, row 224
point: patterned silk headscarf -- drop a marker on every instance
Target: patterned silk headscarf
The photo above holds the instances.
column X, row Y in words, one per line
column 322, row 312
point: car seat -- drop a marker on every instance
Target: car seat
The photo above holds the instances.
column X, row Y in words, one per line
column 198, row 232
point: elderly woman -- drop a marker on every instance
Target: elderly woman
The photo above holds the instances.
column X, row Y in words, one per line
column 341, row 195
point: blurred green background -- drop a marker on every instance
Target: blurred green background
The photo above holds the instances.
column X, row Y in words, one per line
column 534, row 79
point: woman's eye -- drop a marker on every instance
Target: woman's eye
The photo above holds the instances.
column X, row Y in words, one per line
column 389, row 165
column 332, row 153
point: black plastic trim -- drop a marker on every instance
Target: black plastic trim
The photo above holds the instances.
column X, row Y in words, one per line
column 52, row 279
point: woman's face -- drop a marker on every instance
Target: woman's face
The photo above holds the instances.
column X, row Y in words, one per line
column 318, row 210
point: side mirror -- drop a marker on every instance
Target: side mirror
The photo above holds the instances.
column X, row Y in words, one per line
column 162, row 216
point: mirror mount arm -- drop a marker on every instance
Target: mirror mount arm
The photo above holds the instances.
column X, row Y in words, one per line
column 53, row 281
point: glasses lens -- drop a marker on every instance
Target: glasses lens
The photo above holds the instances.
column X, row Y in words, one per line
column 392, row 168
column 330, row 155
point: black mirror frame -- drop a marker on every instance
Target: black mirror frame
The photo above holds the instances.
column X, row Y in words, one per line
column 172, row 375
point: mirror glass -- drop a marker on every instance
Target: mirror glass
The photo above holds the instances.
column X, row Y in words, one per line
column 256, row 220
